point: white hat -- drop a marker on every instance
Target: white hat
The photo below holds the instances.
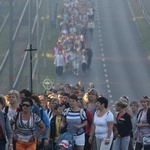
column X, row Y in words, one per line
column 64, row 143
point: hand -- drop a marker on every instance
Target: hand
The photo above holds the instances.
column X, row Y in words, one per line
column 90, row 139
column 139, row 125
column 15, row 137
column 77, row 126
column 32, row 139
column 39, row 141
column 46, row 142
column 10, row 147
column 107, row 141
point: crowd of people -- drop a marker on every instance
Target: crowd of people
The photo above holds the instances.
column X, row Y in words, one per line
column 32, row 121
column 71, row 50
column 38, row 121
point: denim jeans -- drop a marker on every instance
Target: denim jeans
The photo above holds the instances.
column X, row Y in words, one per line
column 2, row 144
column 121, row 143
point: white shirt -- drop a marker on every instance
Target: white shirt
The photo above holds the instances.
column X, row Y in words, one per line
column 101, row 127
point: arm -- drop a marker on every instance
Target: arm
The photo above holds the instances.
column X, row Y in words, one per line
column 110, row 128
column 12, row 122
column 40, row 129
column 47, row 125
column 82, row 125
column 92, row 132
column 9, row 133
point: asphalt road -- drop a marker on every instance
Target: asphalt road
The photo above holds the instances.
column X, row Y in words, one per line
column 120, row 64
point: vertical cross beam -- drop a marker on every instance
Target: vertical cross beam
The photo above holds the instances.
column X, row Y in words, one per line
column 30, row 50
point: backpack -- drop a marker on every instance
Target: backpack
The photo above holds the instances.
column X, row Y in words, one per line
column 81, row 113
column 5, row 115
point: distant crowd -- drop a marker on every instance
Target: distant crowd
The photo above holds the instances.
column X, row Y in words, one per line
column 45, row 121
column 71, row 50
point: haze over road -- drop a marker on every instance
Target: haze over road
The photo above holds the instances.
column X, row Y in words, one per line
column 120, row 64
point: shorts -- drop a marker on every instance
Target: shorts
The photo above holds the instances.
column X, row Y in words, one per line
column 79, row 139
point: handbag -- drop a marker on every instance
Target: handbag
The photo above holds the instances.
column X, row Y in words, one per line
column 146, row 139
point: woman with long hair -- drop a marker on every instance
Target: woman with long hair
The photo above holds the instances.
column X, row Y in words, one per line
column 123, row 125
column 143, row 125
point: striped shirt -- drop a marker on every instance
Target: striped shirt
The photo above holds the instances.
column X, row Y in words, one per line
column 74, row 118
column 26, row 129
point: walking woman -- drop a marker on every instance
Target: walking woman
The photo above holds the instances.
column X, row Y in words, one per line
column 25, row 124
column 124, row 127
column 75, row 121
column 84, row 62
column 143, row 125
column 5, row 130
column 102, row 125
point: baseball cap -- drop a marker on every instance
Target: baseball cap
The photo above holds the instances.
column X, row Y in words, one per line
column 64, row 143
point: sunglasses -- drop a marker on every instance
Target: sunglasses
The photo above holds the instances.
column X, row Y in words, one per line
column 27, row 105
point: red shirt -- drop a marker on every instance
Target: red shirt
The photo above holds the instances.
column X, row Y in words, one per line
column 89, row 121
column 1, row 132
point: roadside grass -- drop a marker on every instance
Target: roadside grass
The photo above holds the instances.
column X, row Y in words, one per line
column 143, row 27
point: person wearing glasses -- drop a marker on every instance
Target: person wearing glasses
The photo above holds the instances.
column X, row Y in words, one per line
column 25, row 124
column 143, row 125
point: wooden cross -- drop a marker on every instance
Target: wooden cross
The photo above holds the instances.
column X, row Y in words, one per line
column 30, row 50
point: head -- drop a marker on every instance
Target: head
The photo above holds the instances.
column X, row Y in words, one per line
column 66, row 97
column 120, row 105
column 102, row 102
column 13, row 96
column 36, row 99
column 73, row 100
column 43, row 101
column 145, row 101
column 26, row 104
column 92, row 94
column 54, row 101
column 134, row 105
column 124, row 99
column 60, row 96
column 80, row 102
column 25, row 93
column 2, row 102
column 58, row 109
column 64, row 145
column 91, row 85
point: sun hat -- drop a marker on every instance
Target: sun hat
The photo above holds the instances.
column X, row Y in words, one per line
column 64, row 143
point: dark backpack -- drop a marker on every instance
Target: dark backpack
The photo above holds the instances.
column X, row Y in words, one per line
column 6, row 112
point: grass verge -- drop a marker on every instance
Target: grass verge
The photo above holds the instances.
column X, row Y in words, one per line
column 143, row 27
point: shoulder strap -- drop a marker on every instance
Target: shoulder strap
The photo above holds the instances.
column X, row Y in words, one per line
column 6, row 109
column 5, row 117
column 67, row 111
column 82, row 113
column 41, row 113
column 139, row 115
column 88, row 120
column 16, row 120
